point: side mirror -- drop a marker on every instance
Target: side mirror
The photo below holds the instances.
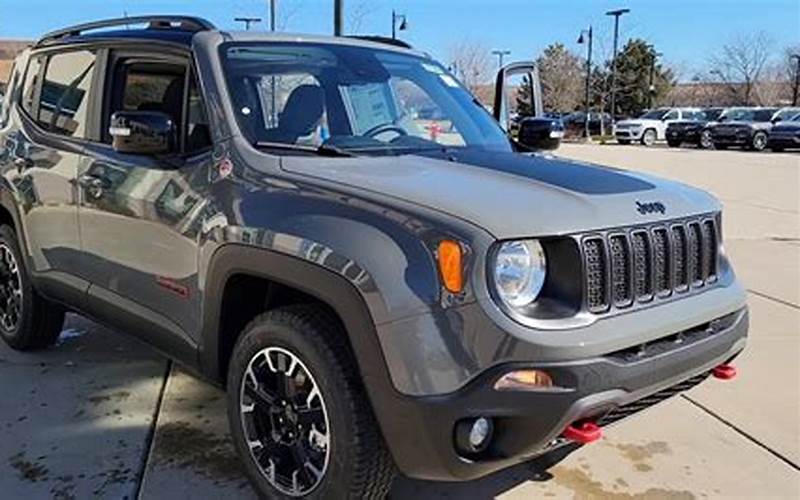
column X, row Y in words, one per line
column 540, row 133
column 777, row 119
column 143, row 132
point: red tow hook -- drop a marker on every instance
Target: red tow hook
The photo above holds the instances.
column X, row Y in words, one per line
column 724, row 372
column 583, row 432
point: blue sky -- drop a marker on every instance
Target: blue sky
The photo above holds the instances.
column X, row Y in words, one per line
column 685, row 31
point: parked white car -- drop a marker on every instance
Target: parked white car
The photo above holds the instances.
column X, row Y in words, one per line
column 652, row 126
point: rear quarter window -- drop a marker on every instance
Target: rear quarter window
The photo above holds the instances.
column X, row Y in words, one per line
column 65, row 94
column 29, row 88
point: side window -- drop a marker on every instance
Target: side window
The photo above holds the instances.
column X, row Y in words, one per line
column 146, row 90
column 198, row 131
column 160, row 86
column 147, row 86
column 65, row 98
column 672, row 115
column 29, row 87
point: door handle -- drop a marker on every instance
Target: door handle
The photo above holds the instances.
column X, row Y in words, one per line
column 95, row 186
column 22, row 163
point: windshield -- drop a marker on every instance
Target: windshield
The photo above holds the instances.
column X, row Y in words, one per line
column 655, row 114
column 362, row 100
column 786, row 114
column 738, row 115
column 712, row 114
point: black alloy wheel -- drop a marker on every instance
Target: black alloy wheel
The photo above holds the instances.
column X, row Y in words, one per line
column 286, row 421
column 11, row 299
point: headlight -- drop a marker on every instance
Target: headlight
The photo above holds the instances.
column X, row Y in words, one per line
column 520, row 268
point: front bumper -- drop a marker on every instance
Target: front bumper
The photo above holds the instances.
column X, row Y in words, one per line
column 739, row 138
column 784, row 141
column 686, row 135
column 604, row 388
column 629, row 134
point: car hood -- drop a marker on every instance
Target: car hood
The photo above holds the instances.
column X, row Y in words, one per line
column 786, row 127
column 637, row 122
column 739, row 124
column 514, row 195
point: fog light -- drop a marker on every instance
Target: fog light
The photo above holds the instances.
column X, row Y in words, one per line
column 525, row 380
column 474, row 435
column 480, row 431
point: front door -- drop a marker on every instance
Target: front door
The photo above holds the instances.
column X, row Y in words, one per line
column 140, row 215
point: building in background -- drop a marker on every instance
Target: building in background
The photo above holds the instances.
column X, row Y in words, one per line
column 8, row 51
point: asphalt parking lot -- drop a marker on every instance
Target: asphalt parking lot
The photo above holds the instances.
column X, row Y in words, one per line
column 103, row 416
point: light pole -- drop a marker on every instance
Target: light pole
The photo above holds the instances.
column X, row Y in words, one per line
column 501, row 54
column 796, row 78
column 651, row 89
column 338, row 17
column 616, row 13
column 588, row 41
column 403, row 23
column 247, row 21
column 272, row 15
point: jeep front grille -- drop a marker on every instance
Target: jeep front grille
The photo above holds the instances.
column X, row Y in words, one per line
column 636, row 265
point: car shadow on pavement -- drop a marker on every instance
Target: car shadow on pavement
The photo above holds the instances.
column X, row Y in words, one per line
column 100, row 415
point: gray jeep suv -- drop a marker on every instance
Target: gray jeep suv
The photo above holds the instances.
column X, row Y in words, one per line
column 379, row 289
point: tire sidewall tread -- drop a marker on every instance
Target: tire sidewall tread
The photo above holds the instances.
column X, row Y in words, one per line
column 316, row 338
column 42, row 320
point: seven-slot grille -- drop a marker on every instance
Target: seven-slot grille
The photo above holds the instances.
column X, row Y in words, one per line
column 626, row 266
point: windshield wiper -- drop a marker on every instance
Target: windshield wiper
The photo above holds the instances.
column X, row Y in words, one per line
column 321, row 150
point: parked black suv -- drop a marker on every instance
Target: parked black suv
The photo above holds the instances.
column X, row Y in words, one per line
column 746, row 127
column 380, row 288
column 785, row 135
column 695, row 130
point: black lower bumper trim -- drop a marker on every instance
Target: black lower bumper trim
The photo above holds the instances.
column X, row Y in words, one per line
column 528, row 424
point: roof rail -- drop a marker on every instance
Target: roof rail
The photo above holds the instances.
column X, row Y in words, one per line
column 382, row 39
column 184, row 23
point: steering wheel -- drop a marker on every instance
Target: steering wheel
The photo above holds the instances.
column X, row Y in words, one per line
column 385, row 127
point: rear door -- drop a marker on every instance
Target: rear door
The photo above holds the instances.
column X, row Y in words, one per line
column 42, row 155
column 140, row 214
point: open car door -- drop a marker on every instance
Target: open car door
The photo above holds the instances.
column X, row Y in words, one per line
column 525, row 121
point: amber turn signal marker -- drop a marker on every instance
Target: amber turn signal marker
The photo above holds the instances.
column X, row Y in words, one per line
column 450, row 258
column 524, row 380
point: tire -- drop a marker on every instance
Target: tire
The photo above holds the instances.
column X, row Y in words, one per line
column 649, row 138
column 351, row 455
column 28, row 322
column 623, row 142
column 674, row 144
column 759, row 141
column 705, row 140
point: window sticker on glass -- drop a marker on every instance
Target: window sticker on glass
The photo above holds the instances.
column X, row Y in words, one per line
column 368, row 105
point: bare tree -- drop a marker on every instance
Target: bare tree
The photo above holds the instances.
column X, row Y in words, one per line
column 740, row 65
column 286, row 10
column 471, row 61
column 357, row 14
